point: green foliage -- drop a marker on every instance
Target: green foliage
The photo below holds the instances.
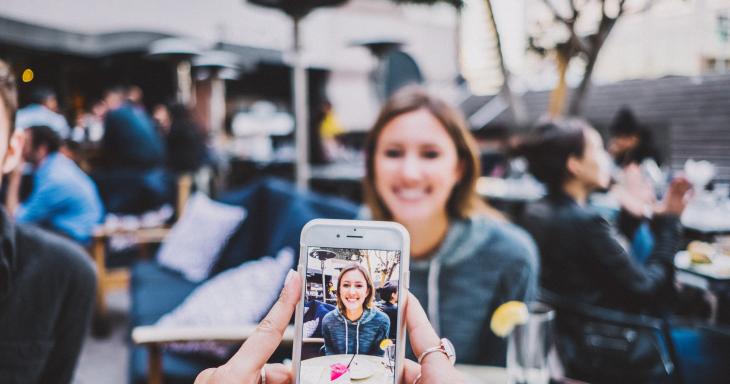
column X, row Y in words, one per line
column 455, row 3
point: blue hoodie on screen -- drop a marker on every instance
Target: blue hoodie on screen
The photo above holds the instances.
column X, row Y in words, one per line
column 342, row 336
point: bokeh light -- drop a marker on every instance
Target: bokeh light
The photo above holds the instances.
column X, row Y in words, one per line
column 27, row 75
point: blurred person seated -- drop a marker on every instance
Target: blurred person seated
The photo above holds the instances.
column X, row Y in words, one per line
column 637, row 178
column 63, row 199
column 42, row 110
column 135, row 97
column 583, row 259
column 329, row 130
column 46, row 282
column 581, row 256
column 388, row 294
column 89, row 126
column 186, row 143
column 630, row 142
column 131, row 176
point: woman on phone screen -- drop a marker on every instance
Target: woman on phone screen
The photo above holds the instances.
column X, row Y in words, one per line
column 422, row 166
column 355, row 327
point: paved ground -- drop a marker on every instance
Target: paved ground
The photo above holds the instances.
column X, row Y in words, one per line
column 105, row 360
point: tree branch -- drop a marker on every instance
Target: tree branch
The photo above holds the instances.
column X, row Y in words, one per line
column 573, row 9
column 556, row 14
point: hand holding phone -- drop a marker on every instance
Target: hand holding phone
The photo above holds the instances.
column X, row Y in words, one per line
column 246, row 365
column 436, row 367
column 349, row 324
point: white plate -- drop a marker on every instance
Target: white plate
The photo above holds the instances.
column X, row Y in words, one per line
column 361, row 369
column 718, row 269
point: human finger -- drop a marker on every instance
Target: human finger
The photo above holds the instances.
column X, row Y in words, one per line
column 411, row 370
column 421, row 334
column 204, row 377
column 278, row 374
column 255, row 352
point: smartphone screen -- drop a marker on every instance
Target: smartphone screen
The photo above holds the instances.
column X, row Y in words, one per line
column 350, row 323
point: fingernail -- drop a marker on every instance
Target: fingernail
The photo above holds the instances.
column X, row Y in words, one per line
column 289, row 276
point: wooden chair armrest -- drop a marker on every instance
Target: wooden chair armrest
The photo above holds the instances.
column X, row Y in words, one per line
column 153, row 334
column 143, row 235
column 151, row 235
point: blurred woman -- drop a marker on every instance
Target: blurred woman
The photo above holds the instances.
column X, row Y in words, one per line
column 355, row 327
column 466, row 260
column 582, row 258
column 581, row 255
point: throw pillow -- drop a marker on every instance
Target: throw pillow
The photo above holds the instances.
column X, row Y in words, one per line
column 238, row 296
column 197, row 238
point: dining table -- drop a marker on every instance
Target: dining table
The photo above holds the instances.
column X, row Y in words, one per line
column 367, row 369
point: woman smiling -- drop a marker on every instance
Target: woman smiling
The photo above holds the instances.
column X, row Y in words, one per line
column 422, row 166
column 354, row 326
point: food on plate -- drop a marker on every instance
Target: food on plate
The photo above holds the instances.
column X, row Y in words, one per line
column 700, row 252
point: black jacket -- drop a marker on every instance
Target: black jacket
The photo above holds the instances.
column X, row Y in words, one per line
column 47, row 287
column 583, row 260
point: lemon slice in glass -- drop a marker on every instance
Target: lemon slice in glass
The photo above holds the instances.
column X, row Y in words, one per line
column 507, row 316
column 385, row 344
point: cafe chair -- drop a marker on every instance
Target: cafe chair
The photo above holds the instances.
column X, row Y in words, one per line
column 602, row 345
column 116, row 278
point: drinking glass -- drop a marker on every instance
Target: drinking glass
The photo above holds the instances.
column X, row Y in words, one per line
column 528, row 346
column 389, row 358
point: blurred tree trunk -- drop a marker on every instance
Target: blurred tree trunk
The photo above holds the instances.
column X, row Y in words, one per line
column 587, row 47
column 605, row 26
column 558, row 94
column 516, row 105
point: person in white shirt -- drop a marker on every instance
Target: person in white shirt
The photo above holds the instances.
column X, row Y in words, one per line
column 43, row 110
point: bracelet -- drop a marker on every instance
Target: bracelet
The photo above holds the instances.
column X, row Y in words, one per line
column 444, row 347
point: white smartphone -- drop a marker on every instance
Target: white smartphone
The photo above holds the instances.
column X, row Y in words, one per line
column 349, row 324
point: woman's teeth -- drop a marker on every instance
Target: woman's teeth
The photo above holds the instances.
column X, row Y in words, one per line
column 411, row 193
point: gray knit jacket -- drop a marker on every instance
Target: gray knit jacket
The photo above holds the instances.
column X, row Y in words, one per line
column 481, row 264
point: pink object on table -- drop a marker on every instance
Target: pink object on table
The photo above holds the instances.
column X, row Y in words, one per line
column 337, row 370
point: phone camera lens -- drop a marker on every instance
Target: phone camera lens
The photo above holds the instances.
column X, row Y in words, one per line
column 354, row 229
column 338, row 235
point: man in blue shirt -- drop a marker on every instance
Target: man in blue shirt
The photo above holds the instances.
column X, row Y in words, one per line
column 64, row 199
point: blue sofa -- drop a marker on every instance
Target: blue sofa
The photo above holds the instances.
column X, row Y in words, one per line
column 276, row 214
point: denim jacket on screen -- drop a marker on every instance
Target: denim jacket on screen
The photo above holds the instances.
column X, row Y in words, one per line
column 342, row 336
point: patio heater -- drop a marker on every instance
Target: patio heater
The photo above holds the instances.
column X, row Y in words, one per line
column 323, row 255
column 179, row 51
column 216, row 66
column 297, row 10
